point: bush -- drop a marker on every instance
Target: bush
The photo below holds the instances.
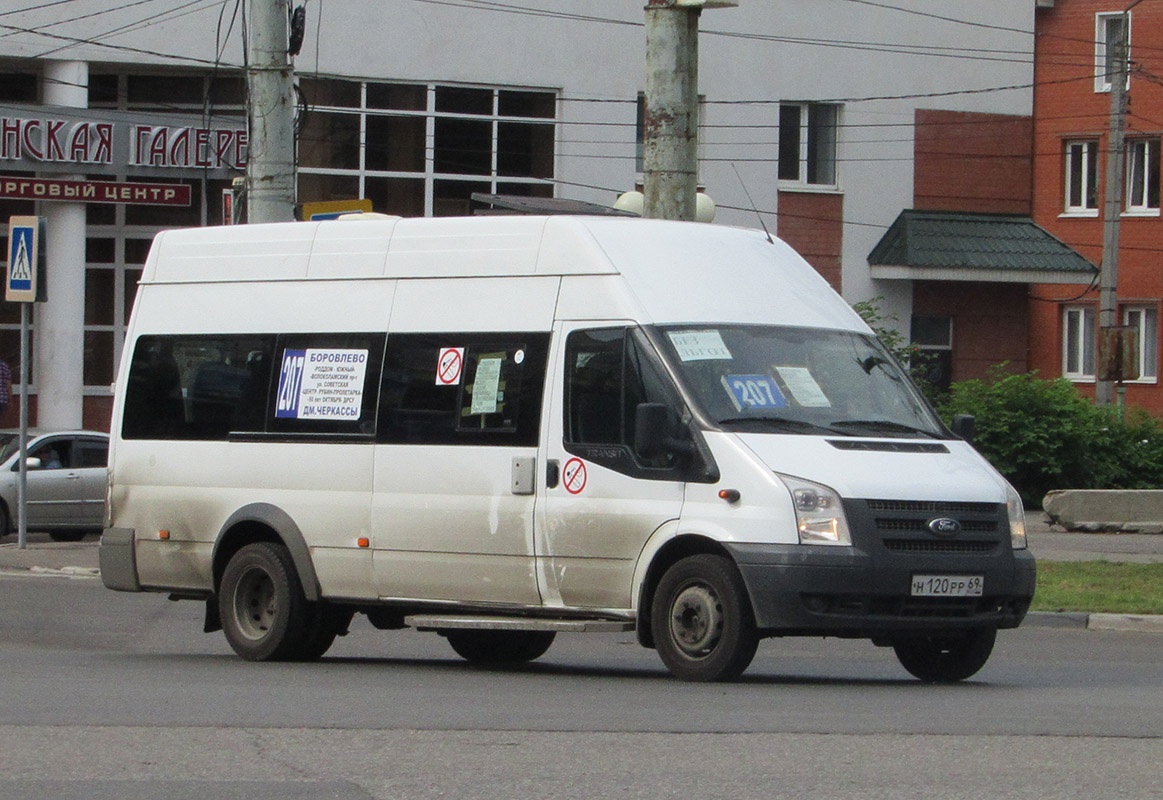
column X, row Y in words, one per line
column 1044, row 435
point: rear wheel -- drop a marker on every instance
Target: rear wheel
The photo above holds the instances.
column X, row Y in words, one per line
column 945, row 658
column 499, row 647
column 265, row 615
column 704, row 628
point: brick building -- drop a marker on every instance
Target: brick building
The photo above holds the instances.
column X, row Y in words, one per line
column 1072, row 106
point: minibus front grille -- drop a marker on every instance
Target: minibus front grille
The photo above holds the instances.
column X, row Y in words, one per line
column 936, row 546
column 921, row 525
column 930, row 507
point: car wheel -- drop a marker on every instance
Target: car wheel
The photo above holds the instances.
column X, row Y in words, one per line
column 500, row 647
column 265, row 615
column 704, row 628
column 945, row 658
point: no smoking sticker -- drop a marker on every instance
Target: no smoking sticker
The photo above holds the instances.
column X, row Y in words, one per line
column 573, row 476
column 449, row 366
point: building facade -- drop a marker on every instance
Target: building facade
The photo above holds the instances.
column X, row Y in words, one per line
column 814, row 119
column 1072, row 128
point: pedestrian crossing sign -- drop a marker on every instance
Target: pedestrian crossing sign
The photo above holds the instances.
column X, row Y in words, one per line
column 24, row 255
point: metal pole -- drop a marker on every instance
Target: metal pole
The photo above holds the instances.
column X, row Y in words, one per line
column 670, row 142
column 22, row 479
column 270, row 166
column 1108, row 303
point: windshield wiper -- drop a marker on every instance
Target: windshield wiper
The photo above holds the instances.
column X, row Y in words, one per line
column 884, row 425
column 793, row 425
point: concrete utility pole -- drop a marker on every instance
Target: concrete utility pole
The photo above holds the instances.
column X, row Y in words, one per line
column 1108, row 303
column 671, row 135
column 270, row 166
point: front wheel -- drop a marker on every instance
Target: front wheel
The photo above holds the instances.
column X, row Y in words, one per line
column 264, row 613
column 704, row 628
column 499, row 647
column 945, row 658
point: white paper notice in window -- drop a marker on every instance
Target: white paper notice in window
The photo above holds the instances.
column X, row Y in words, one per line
column 699, row 346
column 803, row 387
column 486, row 385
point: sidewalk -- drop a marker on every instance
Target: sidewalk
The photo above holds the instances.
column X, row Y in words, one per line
column 79, row 559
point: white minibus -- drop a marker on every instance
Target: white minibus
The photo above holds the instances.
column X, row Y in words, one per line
column 502, row 428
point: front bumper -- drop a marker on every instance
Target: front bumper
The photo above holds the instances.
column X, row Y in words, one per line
column 864, row 590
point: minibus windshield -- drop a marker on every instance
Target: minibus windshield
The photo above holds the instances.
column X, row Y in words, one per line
column 813, row 381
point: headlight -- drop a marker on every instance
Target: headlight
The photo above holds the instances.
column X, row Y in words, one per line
column 1017, row 515
column 819, row 512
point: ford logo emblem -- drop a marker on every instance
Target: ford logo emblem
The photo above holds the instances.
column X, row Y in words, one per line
column 944, row 526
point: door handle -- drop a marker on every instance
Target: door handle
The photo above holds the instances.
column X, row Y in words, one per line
column 552, row 473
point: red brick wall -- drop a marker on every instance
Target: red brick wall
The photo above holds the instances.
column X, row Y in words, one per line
column 989, row 322
column 813, row 224
column 1066, row 106
column 966, row 161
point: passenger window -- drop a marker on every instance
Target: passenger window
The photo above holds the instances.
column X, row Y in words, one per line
column 197, row 387
column 92, row 453
column 462, row 388
column 325, row 384
column 608, row 374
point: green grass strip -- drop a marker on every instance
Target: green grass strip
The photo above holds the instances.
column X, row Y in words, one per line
column 1099, row 586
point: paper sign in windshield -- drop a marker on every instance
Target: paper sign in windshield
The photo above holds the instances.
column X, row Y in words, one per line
column 321, row 384
column 754, row 392
column 803, row 387
column 699, row 346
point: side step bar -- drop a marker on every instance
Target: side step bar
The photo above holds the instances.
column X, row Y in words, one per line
column 436, row 622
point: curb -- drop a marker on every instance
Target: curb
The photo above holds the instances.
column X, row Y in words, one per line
column 1136, row 623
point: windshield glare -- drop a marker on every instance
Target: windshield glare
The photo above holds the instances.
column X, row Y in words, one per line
column 797, row 380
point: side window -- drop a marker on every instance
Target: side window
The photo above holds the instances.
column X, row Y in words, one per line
column 608, row 374
column 92, row 453
column 463, row 388
column 54, row 454
column 197, row 387
column 325, row 384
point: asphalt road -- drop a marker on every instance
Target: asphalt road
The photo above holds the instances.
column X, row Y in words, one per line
column 108, row 695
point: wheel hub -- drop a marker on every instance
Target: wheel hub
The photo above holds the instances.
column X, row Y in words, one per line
column 696, row 621
column 255, row 604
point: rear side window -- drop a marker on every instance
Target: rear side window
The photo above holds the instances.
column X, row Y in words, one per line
column 197, row 387
column 463, row 388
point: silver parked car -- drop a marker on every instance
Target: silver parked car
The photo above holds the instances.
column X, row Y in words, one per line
column 67, row 478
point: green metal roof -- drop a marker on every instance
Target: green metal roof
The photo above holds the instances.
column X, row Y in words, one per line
column 958, row 242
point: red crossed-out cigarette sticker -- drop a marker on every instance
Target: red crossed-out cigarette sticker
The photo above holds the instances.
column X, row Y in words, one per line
column 574, row 476
column 449, row 366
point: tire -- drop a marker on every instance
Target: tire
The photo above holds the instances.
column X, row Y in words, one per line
column 944, row 659
column 66, row 536
column 265, row 615
column 497, row 648
column 704, row 628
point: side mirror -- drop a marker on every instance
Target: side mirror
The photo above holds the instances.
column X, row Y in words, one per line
column 964, row 425
column 653, row 424
column 33, row 463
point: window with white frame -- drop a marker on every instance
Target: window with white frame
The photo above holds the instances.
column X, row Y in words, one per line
column 807, row 143
column 1145, row 319
column 1142, row 176
column 1078, row 342
column 1082, row 177
column 1108, row 28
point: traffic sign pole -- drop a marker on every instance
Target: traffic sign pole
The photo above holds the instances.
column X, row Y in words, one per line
column 24, row 285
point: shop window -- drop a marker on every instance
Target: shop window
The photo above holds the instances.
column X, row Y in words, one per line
column 331, row 93
column 463, row 388
column 403, row 197
column 18, row 87
column 330, row 140
column 398, row 96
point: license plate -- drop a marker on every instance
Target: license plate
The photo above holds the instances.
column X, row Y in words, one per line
column 947, row 585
